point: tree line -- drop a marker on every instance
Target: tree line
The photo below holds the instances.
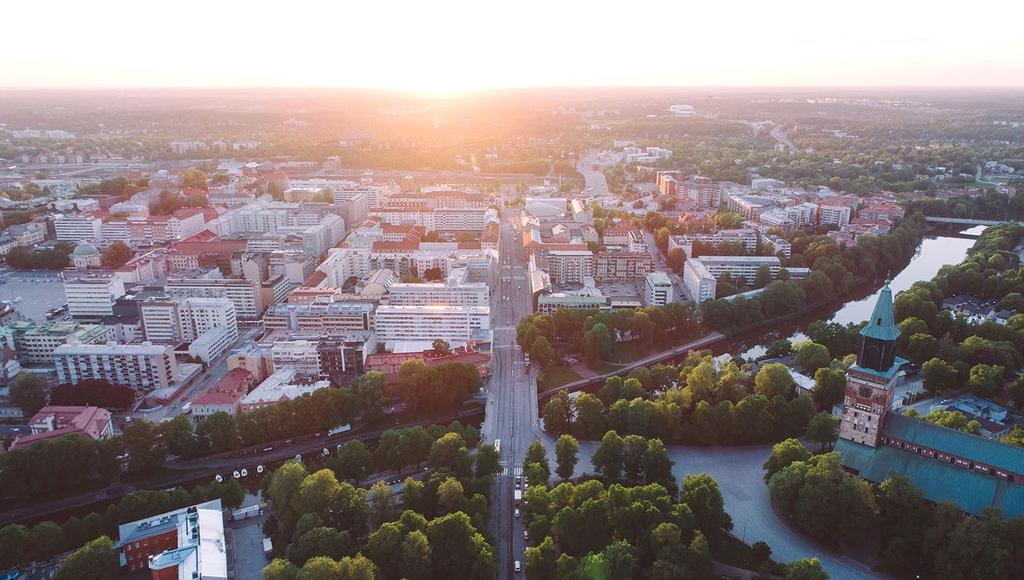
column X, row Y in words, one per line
column 436, row 528
column 699, row 402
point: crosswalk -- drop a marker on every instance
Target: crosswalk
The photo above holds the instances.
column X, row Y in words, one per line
column 514, row 471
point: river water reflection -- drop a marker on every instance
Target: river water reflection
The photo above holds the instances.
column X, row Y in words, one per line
column 935, row 251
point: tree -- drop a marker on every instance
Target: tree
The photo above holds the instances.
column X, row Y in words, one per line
column 566, row 452
column 805, row 569
column 441, row 347
column 829, row 387
column 621, row 558
column 450, row 452
column 352, row 462
column 28, row 393
column 985, row 380
column 1014, row 437
column 763, row 276
column 540, row 560
column 194, row 179
column 701, row 493
column 488, row 461
column 537, row 455
column 450, row 496
column 320, row 541
column 590, row 421
column 922, row 347
column 218, row 432
column 823, row 430
column 774, row 379
column 143, row 446
column 541, row 352
column 14, row 544
column 383, row 504
column 811, row 356
column 608, row 458
column 556, row 416
column 96, row 560
column 458, row 549
column 675, row 259
column 938, row 375
column 116, row 255
column 416, row 556
column 280, row 569
column 783, row 454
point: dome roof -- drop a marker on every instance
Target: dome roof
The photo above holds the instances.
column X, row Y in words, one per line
column 85, row 250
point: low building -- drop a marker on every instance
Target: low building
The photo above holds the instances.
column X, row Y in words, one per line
column 57, row 421
column 280, row 386
column 426, row 323
column 252, row 358
column 36, row 343
column 187, row 543
column 225, row 396
column 622, row 265
column 549, row 303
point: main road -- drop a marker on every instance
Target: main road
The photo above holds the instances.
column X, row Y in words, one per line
column 511, row 412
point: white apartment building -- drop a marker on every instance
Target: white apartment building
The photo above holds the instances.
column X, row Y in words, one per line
column 245, row 295
column 738, row 267
column 210, row 344
column 426, row 323
column 299, row 355
column 779, row 245
column 141, row 366
column 700, row 284
column 454, row 291
column 658, row 289
column 92, row 296
column 747, row 237
column 344, row 263
column 320, row 316
column 440, row 219
column 78, row 228
column 838, row 215
column 35, row 345
column 186, row 319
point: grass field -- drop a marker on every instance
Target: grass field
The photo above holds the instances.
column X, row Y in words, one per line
column 557, row 376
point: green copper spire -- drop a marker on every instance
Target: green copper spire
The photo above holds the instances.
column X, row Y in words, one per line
column 881, row 326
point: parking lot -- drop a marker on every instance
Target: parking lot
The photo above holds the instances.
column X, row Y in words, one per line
column 39, row 292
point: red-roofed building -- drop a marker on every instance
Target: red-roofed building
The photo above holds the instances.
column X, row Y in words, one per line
column 223, row 397
column 56, row 421
column 389, row 362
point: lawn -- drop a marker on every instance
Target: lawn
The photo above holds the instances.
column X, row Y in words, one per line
column 557, row 376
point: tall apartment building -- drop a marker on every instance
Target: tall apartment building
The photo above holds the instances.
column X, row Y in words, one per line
column 173, row 321
column 838, row 215
column 622, row 265
column 737, row 267
column 746, row 237
column 569, row 266
column 93, row 296
column 658, row 289
column 298, row 355
column 700, row 284
column 440, row 219
column 701, row 192
column 320, row 316
column 144, row 366
column 426, row 323
column 245, row 295
column 78, row 228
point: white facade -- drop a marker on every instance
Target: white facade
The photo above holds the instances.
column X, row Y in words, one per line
column 245, row 295
column 838, row 215
column 141, row 366
column 92, row 296
column 570, row 266
column 298, row 355
column 454, row 291
column 426, row 323
column 78, row 228
column 699, row 282
column 186, row 319
column 658, row 289
column 211, row 344
column 737, row 267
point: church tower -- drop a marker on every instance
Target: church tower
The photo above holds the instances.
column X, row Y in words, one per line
column 869, row 383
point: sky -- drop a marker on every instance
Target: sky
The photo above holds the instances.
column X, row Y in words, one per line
column 448, row 46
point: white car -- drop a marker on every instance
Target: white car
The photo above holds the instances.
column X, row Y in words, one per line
column 518, row 566
column 516, row 513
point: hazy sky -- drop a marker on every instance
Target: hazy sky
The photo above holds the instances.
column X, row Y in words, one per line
column 450, row 45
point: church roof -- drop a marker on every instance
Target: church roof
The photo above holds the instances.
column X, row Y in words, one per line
column 971, row 490
column 881, row 324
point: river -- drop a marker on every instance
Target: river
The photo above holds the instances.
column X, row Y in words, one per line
column 936, row 250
